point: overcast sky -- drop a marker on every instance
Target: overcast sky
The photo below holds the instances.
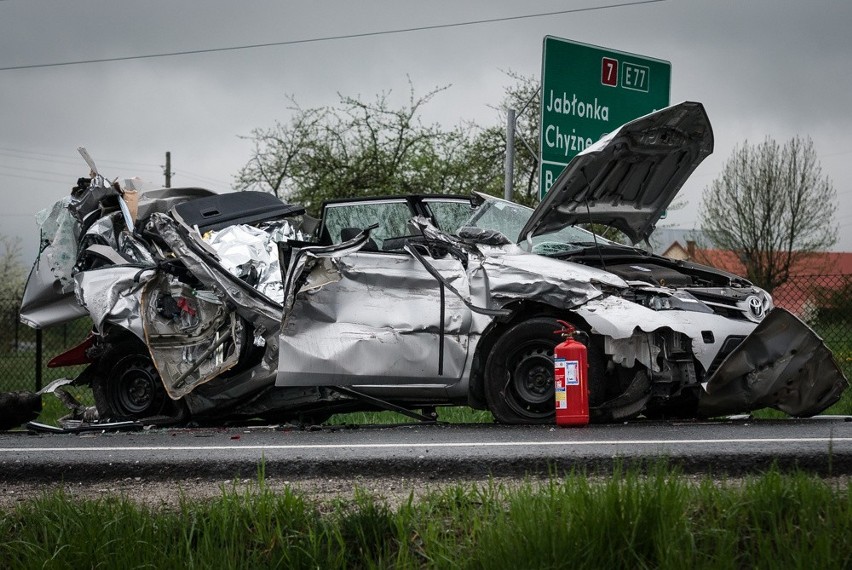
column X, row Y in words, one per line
column 761, row 67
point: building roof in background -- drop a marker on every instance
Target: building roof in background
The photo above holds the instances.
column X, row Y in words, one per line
column 810, row 278
column 663, row 238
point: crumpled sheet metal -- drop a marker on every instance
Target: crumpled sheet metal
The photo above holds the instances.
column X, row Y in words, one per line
column 336, row 334
column 619, row 318
column 252, row 305
column 43, row 303
column 306, row 258
column 243, row 248
column 193, row 341
column 104, row 229
column 112, row 294
column 516, row 274
column 83, row 203
column 783, row 364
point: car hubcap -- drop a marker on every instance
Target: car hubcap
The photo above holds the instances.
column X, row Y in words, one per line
column 532, row 381
column 135, row 389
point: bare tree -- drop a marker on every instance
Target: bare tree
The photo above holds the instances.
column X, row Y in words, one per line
column 772, row 205
column 11, row 268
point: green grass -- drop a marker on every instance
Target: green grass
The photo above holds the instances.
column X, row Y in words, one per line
column 628, row 520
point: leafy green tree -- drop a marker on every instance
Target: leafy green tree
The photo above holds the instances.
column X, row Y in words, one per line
column 772, row 205
column 359, row 148
column 363, row 148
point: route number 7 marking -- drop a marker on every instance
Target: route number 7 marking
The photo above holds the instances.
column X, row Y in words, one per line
column 609, row 71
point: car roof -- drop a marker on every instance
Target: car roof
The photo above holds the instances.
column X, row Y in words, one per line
column 406, row 197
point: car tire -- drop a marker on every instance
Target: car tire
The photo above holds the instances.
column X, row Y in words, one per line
column 127, row 386
column 519, row 373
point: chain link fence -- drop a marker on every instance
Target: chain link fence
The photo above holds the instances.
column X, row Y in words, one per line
column 823, row 301
column 25, row 352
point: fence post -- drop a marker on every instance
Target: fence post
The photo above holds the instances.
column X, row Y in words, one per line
column 38, row 360
column 17, row 322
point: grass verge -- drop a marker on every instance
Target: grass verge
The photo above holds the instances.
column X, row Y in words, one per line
column 628, row 520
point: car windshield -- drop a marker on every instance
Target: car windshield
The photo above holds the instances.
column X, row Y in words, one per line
column 509, row 218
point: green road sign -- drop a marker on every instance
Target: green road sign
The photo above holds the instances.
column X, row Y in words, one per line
column 586, row 91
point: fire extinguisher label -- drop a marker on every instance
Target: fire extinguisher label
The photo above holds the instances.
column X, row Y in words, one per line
column 559, row 383
column 572, row 372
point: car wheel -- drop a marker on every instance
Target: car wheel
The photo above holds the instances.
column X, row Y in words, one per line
column 519, row 373
column 128, row 386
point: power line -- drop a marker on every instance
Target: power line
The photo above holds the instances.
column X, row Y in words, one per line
column 4, row 175
column 20, row 169
column 335, row 38
column 202, row 177
column 22, row 154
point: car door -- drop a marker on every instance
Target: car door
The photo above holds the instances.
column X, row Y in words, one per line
column 358, row 314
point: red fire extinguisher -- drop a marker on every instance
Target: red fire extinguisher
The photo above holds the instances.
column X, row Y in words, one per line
column 571, row 371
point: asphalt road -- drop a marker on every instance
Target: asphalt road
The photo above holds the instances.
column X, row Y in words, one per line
column 822, row 445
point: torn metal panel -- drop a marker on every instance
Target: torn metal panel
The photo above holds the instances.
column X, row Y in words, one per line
column 783, row 364
column 192, row 338
column 112, row 294
column 88, row 197
column 102, row 231
column 301, row 260
column 247, row 301
column 45, row 302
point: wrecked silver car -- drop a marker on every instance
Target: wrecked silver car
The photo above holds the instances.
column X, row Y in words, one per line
column 212, row 306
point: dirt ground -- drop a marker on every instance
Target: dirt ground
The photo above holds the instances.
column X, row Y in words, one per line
column 168, row 494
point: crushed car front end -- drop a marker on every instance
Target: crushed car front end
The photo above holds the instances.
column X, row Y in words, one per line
column 183, row 289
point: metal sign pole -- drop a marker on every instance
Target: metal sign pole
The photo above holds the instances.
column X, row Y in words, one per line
column 509, row 166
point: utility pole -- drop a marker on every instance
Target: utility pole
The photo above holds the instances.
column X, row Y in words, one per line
column 168, row 169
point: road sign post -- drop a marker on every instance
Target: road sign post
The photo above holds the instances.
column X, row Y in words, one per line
column 586, row 91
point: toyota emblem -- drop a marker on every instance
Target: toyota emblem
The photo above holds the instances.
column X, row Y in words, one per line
column 755, row 307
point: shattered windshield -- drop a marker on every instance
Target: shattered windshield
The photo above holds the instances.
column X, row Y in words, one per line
column 509, row 218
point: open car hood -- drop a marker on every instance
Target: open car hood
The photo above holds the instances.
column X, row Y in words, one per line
column 628, row 178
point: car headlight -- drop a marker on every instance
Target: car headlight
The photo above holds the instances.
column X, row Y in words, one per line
column 670, row 301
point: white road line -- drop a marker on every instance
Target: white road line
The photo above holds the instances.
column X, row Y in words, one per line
column 643, row 442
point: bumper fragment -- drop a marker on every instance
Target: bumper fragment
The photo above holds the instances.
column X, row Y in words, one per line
column 782, row 364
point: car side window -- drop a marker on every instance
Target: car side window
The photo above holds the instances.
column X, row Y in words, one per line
column 449, row 214
column 392, row 217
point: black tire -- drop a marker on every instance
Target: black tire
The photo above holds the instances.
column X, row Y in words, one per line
column 519, row 373
column 128, row 386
